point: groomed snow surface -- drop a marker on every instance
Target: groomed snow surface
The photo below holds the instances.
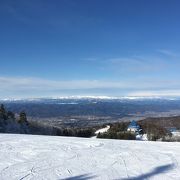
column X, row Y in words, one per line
column 47, row 157
column 103, row 130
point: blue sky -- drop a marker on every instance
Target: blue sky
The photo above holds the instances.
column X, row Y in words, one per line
column 89, row 47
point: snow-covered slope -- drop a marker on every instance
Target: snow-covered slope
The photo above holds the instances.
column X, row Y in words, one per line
column 44, row 157
column 103, row 130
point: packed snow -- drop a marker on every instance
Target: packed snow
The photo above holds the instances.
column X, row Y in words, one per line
column 103, row 130
column 25, row 157
column 176, row 133
column 142, row 137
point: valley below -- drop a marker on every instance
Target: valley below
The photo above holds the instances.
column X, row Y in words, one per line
column 89, row 112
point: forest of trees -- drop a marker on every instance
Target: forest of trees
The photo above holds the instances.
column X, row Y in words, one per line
column 155, row 131
column 155, row 128
column 11, row 123
column 45, row 129
column 118, row 131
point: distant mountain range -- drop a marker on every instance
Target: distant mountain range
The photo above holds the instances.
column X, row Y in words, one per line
column 94, row 98
column 93, row 110
column 92, row 106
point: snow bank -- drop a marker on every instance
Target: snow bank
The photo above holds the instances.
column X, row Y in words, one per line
column 47, row 157
column 176, row 133
column 103, row 130
column 142, row 137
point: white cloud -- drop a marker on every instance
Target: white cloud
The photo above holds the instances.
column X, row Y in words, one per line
column 168, row 53
column 39, row 84
column 135, row 65
column 157, row 93
column 11, row 86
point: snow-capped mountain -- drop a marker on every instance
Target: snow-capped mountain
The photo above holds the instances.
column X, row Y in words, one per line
column 91, row 98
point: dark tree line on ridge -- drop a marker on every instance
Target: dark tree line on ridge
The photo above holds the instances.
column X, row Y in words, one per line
column 152, row 127
column 155, row 128
column 11, row 123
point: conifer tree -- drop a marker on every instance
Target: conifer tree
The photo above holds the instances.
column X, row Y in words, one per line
column 22, row 117
column 10, row 115
column 2, row 112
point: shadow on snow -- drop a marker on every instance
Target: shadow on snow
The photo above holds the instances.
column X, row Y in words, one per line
column 81, row 177
column 156, row 171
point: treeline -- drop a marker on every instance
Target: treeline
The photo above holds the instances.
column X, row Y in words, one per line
column 11, row 123
column 154, row 131
column 87, row 132
column 117, row 135
column 159, row 128
column 166, row 122
column 118, row 131
column 41, row 128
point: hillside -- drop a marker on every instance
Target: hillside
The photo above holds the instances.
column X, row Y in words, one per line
column 49, row 157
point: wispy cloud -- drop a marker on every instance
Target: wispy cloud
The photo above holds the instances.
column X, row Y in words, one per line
column 168, row 53
column 156, row 93
column 149, row 64
column 39, row 84
column 137, row 65
column 28, row 86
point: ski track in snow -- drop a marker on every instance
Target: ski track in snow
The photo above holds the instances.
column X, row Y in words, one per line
column 28, row 157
